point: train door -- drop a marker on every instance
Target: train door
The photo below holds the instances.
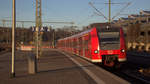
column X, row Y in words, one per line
column 77, row 46
column 74, row 46
column 86, row 44
column 80, row 46
column 83, row 39
column 71, row 45
column 89, row 46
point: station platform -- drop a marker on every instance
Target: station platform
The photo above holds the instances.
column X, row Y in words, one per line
column 55, row 67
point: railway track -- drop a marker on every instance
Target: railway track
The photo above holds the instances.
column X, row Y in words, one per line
column 132, row 69
column 131, row 76
column 139, row 54
column 5, row 47
column 4, row 51
column 130, row 72
column 141, row 79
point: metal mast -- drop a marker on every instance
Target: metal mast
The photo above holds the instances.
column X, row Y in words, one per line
column 13, row 38
column 38, row 14
column 109, row 7
column 109, row 11
column 38, row 35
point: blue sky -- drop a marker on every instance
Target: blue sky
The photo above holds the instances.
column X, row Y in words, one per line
column 78, row 11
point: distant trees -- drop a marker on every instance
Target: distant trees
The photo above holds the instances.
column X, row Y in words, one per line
column 26, row 35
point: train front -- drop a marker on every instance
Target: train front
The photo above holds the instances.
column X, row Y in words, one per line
column 111, row 46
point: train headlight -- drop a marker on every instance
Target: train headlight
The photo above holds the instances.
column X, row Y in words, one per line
column 122, row 50
column 96, row 51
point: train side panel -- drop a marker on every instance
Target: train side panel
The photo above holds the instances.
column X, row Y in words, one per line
column 86, row 37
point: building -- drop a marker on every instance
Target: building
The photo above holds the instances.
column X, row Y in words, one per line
column 143, row 18
column 137, row 29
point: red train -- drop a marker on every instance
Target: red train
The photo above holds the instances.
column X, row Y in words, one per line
column 98, row 45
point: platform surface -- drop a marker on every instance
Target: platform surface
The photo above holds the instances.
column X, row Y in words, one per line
column 55, row 67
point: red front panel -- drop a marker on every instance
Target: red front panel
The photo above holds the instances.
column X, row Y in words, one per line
column 122, row 45
column 95, row 46
column 121, row 55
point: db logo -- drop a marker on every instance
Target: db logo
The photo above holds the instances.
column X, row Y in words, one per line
column 110, row 52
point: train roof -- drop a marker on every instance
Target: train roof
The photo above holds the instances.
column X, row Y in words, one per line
column 89, row 30
column 78, row 35
column 108, row 29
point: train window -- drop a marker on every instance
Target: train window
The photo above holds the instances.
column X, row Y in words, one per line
column 71, row 43
column 149, row 33
column 87, row 40
column 86, row 44
column 142, row 33
column 106, row 36
column 109, row 39
column 86, row 37
column 68, row 43
column 74, row 43
column 80, row 42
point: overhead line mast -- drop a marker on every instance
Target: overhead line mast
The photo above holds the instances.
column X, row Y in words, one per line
column 109, row 11
column 38, row 14
column 109, row 3
column 38, row 35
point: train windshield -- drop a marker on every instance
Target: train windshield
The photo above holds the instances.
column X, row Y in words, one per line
column 109, row 39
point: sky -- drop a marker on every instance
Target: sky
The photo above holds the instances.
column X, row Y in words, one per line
column 78, row 11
